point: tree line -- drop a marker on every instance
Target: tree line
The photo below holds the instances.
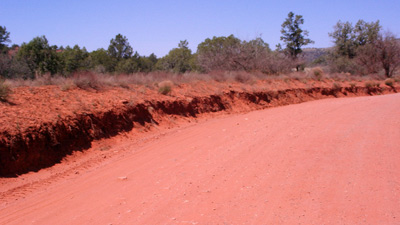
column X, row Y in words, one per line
column 364, row 49
column 358, row 49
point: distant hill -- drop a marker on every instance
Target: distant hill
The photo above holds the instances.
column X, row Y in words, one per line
column 311, row 54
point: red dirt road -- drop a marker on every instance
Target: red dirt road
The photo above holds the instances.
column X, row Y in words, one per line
column 333, row 161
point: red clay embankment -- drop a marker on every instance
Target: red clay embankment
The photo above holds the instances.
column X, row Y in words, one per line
column 333, row 161
column 26, row 148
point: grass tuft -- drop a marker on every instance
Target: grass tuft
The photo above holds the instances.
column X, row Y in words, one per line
column 336, row 86
column 87, row 80
column 318, row 73
column 390, row 82
column 5, row 92
column 369, row 84
column 165, row 87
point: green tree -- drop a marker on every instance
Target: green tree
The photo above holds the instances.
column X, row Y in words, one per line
column 127, row 66
column 183, row 44
column 343, row 36
column 147, row 64
column 74, row 59
column 348, row 39
column 355, row 49
column 101, row 61
column 119, row 47
column 293, row 36
column 137, row 63
column 366, row 33
column 4, row 38
column 153, row 58
column 39, row 56
column 177, row 60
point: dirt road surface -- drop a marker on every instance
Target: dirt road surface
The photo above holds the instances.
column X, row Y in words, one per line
column 333, row 161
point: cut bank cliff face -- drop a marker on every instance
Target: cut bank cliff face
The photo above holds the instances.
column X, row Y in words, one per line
column 47, row 144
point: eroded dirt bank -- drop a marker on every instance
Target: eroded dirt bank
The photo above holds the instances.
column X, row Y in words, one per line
column 332, row 161
column 32, row 148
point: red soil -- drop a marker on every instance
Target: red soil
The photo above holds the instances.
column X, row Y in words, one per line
column 41, row 125
column 334, row 161
column 30, row 107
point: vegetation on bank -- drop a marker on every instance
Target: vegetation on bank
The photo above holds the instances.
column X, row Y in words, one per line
column 358, row 50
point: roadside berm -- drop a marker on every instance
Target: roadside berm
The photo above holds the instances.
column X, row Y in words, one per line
column 41, row 125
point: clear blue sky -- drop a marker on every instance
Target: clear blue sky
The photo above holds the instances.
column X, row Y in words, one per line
column 158, row 26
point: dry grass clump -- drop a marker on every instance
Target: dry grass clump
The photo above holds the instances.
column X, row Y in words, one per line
column 369, row 84
column 372, row 84
column 243, row 77
column 318, row 73
column 390, row 82
column 343, row 77
column 68, row 84
column 87, row 81
column 336, row 86
column 297, row 76
column 165, row 87
column 5, row 91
